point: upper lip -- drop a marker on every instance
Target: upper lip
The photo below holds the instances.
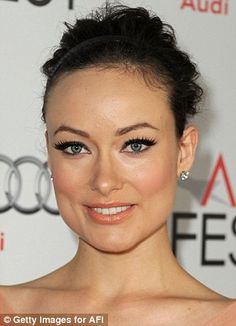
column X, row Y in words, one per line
column 108, row 205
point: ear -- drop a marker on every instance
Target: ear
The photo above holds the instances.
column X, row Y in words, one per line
column 187, row 149
column 47, row 143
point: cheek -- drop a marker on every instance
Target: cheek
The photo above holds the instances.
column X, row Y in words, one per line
column 67, row 178
column 70, row 190
column 155, row 177
column 152, row 182
column 63, row 183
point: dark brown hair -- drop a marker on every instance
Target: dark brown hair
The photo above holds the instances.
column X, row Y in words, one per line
column 117, row 35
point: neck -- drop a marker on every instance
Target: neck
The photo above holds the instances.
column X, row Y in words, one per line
column 149, row 267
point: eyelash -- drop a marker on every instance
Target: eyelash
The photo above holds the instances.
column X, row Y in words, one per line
column 62, row 146
column 141, row 141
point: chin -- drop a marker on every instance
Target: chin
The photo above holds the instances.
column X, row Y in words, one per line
column 113, row 246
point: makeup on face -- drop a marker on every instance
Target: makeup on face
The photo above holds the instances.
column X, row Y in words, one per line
column 113, row 154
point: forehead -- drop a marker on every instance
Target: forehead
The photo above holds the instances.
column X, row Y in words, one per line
column 107, row 94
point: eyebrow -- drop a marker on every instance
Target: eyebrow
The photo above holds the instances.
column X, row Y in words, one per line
column 71, row 130
column 119, row 132
column 125, row 130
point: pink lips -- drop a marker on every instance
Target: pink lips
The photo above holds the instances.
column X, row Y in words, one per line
column 110, row 219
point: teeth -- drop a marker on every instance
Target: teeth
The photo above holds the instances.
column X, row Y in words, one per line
column 110, row 211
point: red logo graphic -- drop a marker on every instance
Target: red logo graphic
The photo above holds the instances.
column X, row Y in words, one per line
column 217, row 7
column 2, row 241
column 220, row 167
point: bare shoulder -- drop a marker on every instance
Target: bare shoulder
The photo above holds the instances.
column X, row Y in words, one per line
column 18, row 297
column 198, row 311
column 26, row 296
column 198, row 303
column 6, row 291
column 180, row 311
column 51, row 281
column 216, row 305
column 173, row 311
column 21, row 298
column 8, row 297
column 222, row 304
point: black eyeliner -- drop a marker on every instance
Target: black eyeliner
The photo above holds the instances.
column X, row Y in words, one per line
column 142, row 141
column 65, row 144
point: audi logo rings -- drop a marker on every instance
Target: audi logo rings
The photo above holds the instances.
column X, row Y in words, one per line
column 12, row 196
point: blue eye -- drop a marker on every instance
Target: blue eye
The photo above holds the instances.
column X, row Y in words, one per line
column 138, row 145
column 72, row 148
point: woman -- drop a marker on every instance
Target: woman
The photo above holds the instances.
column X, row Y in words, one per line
column 117, row 101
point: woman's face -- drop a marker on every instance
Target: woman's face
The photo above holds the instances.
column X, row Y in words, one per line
column 114, row 156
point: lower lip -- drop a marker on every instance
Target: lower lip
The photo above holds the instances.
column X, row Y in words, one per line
column 110, row 219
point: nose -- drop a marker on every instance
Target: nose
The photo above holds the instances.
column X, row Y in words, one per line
column 106, row 176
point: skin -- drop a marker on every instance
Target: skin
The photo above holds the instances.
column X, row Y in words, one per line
column 126, row 269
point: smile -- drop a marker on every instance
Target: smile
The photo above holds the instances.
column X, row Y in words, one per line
column 110, row 211
column 110, row 215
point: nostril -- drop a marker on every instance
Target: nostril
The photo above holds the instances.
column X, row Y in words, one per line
column 105, row 178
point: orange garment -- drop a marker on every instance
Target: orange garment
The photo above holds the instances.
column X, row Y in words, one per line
column 225, row 318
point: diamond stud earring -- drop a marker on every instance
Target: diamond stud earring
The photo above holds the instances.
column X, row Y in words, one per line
column 184, row 175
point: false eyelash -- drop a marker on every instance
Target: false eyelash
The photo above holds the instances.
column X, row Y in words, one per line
column 62, row 145
column 143, row 140
column 65, row 144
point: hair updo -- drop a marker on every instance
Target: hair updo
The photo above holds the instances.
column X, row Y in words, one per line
column 120, row 36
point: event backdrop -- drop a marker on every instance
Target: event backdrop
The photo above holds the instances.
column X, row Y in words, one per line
column 33, row 238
